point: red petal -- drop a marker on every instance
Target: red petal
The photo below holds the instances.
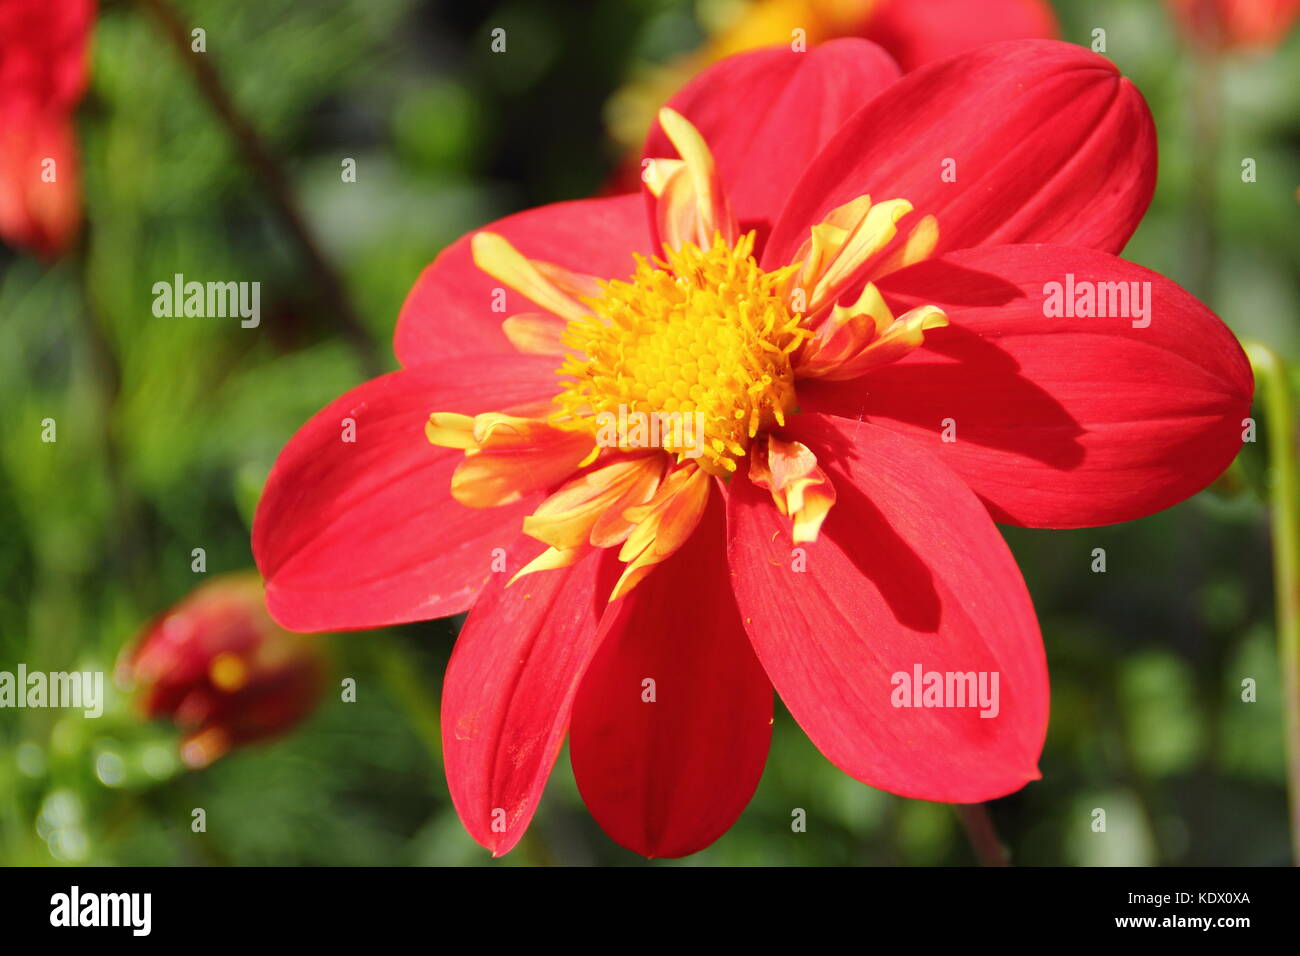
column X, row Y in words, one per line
column 915, row 34
column 449, row 312
column 909, row 570
column 765, row 115
column 363, row 534
column 1050, row 144
column 1059, row 422
column 509, row 690
column 667, row 778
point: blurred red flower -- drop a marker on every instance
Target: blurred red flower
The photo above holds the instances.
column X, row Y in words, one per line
column 873, row 399
column 225, row 673
column 42, row 76
column 1233, row 24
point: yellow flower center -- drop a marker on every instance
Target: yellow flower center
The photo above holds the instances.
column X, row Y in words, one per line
column 702, row 337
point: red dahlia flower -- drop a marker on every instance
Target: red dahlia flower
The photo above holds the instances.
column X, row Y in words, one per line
column 223, row 671
column 871, row 403
column 42, row 76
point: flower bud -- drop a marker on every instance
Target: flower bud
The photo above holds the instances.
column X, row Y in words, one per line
column 223, row 671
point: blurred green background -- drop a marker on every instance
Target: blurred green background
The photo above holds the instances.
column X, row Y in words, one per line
column 167, row 428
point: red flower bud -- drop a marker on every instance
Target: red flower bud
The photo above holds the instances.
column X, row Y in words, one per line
column 223, row 671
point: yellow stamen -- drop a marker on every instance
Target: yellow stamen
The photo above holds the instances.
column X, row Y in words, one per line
column 701, row 331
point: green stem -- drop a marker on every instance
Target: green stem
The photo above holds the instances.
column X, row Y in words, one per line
column 1274, row 394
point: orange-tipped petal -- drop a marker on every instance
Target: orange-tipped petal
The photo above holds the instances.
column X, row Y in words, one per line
column 454, row 310
column 918, row 245
column 840, row 246
column 662, row 525
column 550, row 286
column 451, row 430
column 550, row 560
column 855, row 339
column 799, row 487
column 490, row 479
column 690, row 203
column 506, row 456
column 535, row 333
column 596, row 500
